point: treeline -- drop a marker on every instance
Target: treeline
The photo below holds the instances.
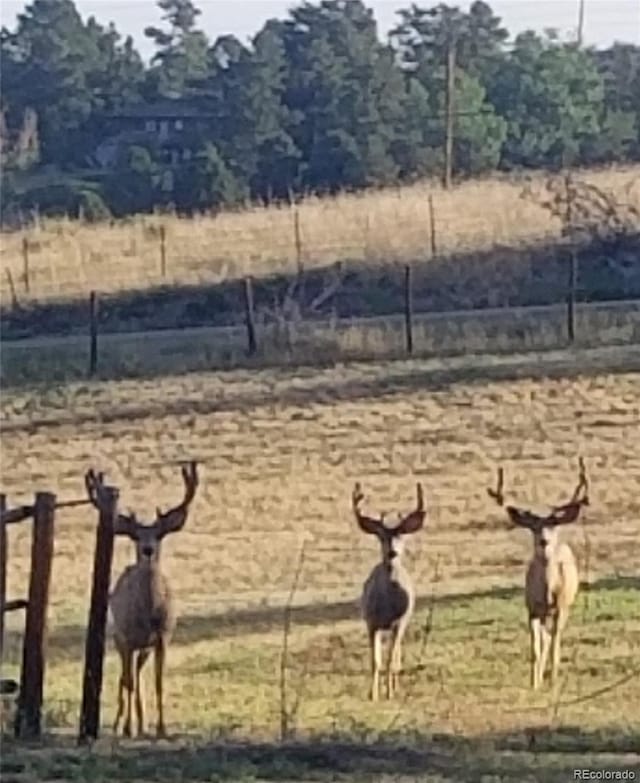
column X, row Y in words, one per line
column 316, row 103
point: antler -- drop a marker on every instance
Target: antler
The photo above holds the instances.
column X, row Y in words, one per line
column 497, row 493
column 414, row 520
column 124, row 525
column 569, row 512
column 367, row 524
column 174, row 519
column 518, row 516
column 94, row 483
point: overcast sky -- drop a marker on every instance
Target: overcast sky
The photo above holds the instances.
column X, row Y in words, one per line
column 605, row 20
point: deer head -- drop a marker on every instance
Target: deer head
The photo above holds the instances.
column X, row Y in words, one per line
column 391, row 538
column 147, row 537
column 544, row 528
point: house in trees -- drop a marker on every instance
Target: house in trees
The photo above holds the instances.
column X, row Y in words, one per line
column 171, row 128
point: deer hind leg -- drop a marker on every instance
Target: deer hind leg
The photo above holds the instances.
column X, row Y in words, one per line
column 140, row 662
column 536, row 651
column 546, row 637
column 558, row 626
column 375, row 645
column 159, row 660
column 395, row 661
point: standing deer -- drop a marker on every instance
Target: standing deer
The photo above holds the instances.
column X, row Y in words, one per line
column 141, row 601
column 551, row 582
column 387, row 596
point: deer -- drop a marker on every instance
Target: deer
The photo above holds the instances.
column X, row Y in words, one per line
column 551, row 581
column 388, row 596
column 141, row 601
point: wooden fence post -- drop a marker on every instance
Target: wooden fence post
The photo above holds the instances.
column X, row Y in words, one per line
column 93, row 333
column 3, row 571
column 25, row 261
column 96, row 629
column 250, row 317
column 29, row 714
column 408, row 308
column 432, row 227
column 571, row 296
column 298, row 239
column 163, row 251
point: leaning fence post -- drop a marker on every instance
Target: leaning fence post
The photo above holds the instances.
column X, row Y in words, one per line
column 95, row 640
column 250, row 317
column 93, row 333
column 28, row 722
column 408, row 308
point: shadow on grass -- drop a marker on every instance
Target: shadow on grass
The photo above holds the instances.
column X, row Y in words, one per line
column 401, row 378
column 540, row 754
column 66, row 641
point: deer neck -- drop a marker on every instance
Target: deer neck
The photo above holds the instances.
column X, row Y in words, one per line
column 151, row 578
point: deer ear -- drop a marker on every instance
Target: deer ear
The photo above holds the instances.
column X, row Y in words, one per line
column 369, row 525
column 410, row 524
column 523, row 518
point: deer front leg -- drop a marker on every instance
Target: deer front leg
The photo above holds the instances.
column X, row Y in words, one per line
column 142, row 657
column 159, row 659
column 375, row 645
column 395, row 661
column 126, row 683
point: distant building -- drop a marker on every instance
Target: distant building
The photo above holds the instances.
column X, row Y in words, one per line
column 171, row 126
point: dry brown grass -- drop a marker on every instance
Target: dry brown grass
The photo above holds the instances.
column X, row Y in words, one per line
column 280, row 452
column 68, row 258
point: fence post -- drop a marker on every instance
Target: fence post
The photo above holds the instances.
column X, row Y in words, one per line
column 571, row 296
column 25, row 261
column 3, row 571
column 93, row 333
column 250, row 318
column 163, row 251
column 29, row 714
column 408, row 308
column 298, row 239
column 432, row 227
column 95, row 640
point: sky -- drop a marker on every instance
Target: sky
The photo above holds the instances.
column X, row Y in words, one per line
column 606, row 21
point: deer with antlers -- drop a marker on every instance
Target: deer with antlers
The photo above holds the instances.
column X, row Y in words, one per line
column 141, row 601
column 388, row 596
column 551, row 582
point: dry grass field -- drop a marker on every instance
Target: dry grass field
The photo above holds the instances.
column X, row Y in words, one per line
column 280, row 451
column 69, row 258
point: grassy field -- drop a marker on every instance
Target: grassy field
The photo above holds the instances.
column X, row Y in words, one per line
column 66, row 259
column 280, row 451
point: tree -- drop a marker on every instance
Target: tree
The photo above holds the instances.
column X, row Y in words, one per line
column 181, row 58
column 551, row 96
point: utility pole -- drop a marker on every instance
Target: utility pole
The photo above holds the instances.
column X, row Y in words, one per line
column 450, row 112
column 580, row 22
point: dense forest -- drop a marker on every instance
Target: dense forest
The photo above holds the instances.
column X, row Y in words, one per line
column 316, row 103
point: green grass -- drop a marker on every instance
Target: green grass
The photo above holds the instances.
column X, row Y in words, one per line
column 466, row 712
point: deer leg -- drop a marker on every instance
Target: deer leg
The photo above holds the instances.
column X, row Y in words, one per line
column 120, row 709
column 536, row 641
column 375, row 644
column 545, row 645
column 159, row 657
column 395, row 661
column 141, row 660
column 558, row 626
column 126, row 683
